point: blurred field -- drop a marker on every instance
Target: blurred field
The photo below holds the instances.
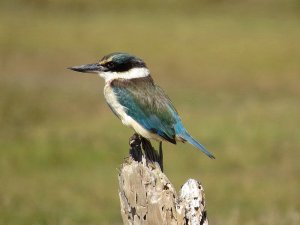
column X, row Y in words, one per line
column 232, row 70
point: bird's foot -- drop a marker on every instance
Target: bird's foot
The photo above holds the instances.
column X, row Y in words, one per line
column 135, row 147
column 137, row 143
column 151, row 153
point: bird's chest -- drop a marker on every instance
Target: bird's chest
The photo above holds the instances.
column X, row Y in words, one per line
column 114, row 104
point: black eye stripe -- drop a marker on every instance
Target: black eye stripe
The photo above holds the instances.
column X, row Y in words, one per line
column 123, row 66
column 109, row 65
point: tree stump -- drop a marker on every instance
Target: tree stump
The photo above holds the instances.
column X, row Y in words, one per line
column 147, row 196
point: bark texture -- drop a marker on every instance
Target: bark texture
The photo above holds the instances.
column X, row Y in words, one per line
column 148, row 197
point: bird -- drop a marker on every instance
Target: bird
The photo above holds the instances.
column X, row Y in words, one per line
column 137, row 101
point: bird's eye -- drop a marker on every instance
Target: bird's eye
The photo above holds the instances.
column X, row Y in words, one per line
column 109, row 65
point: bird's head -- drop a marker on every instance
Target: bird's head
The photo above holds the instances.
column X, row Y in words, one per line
column 116, row 65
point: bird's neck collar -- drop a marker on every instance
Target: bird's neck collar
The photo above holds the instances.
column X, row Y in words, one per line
column 130, row 74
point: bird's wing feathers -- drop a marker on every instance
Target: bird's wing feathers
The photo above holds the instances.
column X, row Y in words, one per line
column 147, row 104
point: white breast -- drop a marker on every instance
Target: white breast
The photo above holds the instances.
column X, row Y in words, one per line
column 111, row 99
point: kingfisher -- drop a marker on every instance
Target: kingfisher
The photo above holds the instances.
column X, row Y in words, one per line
column 137, row 101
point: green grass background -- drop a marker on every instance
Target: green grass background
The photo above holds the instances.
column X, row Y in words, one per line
column 231, row 68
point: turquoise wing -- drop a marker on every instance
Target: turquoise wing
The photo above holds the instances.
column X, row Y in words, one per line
column 148, row 105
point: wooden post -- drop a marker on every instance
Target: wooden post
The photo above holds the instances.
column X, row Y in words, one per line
column 147, row 196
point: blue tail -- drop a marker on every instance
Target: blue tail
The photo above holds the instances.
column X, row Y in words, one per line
column 192, row 141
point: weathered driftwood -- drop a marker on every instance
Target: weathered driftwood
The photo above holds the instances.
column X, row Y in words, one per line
column 148, row 197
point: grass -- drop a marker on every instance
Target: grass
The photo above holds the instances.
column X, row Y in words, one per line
column 236, row 74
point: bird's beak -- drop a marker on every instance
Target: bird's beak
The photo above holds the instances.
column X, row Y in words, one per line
column 88, row 68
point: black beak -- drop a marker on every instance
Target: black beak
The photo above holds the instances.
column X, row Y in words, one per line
column 88, row 68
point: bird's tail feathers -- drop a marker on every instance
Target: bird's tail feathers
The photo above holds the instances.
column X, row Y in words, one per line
column 192, row 141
